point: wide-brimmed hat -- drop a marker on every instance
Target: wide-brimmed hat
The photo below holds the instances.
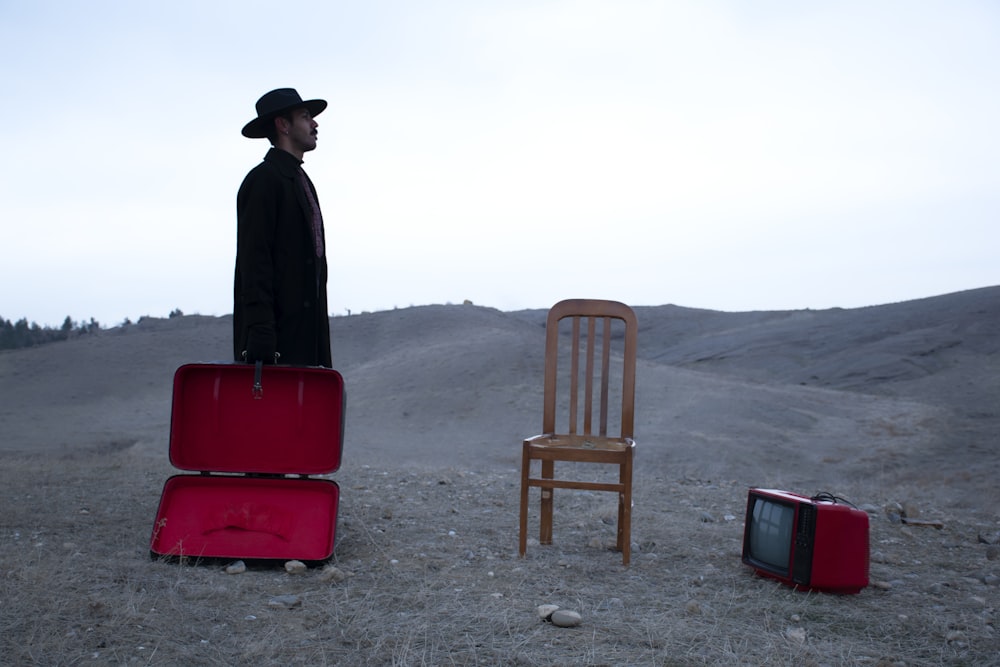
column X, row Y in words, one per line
column 274, row 104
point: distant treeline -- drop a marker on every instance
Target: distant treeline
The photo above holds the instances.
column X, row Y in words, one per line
column 22, row 334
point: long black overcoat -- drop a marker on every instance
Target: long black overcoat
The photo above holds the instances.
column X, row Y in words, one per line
column 279, row 282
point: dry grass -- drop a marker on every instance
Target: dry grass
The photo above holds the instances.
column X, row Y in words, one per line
column 435, row 580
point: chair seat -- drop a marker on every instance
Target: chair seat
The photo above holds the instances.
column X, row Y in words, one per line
column 579, row 442
column 588, row 448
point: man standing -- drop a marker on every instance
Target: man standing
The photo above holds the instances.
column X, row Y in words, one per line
column 280, row 311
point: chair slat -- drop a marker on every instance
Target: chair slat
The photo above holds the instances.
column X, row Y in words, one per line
column 605, row 374
column 589, row 378
column 574, row 376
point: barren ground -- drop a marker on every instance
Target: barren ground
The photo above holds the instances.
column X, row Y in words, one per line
column 892, row 407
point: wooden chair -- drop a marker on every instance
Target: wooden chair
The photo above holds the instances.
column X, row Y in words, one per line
column 580, row 441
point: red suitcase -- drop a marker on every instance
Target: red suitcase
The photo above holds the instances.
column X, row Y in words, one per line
column 274, row 426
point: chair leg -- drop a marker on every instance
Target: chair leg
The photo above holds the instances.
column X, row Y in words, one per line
column 620, row 535
column 625, row 510
column 525, row 473
column 545, row 531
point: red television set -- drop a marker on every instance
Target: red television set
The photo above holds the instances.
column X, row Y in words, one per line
column 818, row 543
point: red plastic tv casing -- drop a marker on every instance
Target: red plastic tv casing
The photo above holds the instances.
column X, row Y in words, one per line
column 829, row 545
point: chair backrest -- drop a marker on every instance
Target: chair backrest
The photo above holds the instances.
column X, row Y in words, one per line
column 593, row 324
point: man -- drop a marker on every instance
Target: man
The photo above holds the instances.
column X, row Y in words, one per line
column 280, row 310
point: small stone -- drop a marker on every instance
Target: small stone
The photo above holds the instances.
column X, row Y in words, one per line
column 882, row 585
column 295, row 567
column 239, row 567
column 285, row 601
column 564, row 618
column 545, row 611
column 992, row 552
column 796, row 634
column 707, row 518
column 991, row 580
column 692, row 607
column 332, row 574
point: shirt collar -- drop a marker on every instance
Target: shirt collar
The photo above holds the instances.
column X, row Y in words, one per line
column 287, row 163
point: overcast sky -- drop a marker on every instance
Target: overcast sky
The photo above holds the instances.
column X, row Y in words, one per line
column 728, row 155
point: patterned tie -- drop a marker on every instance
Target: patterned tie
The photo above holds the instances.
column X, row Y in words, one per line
column 317, row 216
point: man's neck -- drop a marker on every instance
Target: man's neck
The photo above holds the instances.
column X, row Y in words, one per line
column 287, row 146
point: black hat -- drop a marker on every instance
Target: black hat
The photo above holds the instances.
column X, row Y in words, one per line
column 274, row 104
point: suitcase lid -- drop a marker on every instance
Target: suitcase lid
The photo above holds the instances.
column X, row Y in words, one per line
column 220, row 422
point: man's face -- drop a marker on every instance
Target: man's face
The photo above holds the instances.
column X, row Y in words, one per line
column 302, row 130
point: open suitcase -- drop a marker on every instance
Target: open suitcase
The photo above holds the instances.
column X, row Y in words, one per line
column 254, row 435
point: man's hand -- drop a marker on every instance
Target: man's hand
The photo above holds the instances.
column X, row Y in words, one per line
column 262, row 343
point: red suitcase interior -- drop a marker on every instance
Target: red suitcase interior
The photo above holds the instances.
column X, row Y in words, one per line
column 291, row 424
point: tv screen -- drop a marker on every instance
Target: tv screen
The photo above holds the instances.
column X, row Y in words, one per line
column 771, row 533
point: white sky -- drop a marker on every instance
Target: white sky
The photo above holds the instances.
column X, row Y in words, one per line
column 729, row 155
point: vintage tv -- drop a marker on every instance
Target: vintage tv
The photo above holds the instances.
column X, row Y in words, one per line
column 818, row 543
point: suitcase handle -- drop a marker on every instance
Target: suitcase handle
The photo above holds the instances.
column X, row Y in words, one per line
column 258, row 387
column 258, row 372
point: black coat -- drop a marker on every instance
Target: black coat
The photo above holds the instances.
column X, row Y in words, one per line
column 280, row 284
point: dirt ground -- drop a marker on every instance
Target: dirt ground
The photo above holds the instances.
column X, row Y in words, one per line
column 893, row 408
